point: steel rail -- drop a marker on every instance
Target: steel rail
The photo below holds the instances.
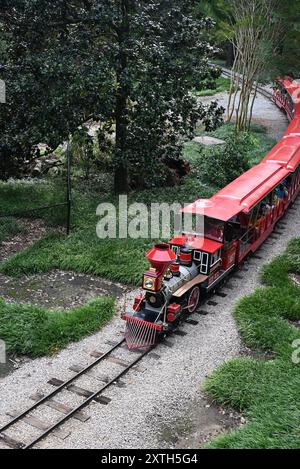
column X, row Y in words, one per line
column 260, row 89
column 87, row 401
column 59, row 389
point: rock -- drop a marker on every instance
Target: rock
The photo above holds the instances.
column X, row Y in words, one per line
column 207, row 141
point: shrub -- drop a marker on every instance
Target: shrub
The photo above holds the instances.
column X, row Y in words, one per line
column 220, row 165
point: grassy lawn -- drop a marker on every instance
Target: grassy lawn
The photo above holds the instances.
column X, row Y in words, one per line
column 115, row 259
column 267, row 392
column 223, row 84
column 18, row 196
column 8, row 227
column 35, row 331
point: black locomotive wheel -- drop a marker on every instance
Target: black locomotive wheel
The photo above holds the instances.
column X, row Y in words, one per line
column 193, row 299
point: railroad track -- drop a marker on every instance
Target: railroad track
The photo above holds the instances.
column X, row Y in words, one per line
column 90, row 396
column 61, row 387
column 267, row 94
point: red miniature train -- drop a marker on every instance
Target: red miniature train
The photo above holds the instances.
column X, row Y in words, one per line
column 237, row 220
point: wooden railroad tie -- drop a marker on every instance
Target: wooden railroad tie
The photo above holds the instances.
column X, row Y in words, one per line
column 103, row 378
column 221, row 294
column 10, row 442
column 60, row 407
column 203, row 313
column 117, row 361
column 40, row 424
column 212, row 303
column 180, row 333
column 80, row 391
column 192, row 322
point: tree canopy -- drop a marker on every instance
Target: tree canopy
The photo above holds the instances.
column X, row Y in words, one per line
column 129, row 64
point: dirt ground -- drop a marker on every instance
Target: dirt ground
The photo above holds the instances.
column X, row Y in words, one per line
column 56, row 289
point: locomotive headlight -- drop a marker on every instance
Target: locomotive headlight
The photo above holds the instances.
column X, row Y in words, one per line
column 149, row 283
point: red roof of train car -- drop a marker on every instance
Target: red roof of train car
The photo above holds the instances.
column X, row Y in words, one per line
column 246, row 191
column 293, row 88
column 241, row 194
column 294, row 128
column 201, row 244
column 286, row 153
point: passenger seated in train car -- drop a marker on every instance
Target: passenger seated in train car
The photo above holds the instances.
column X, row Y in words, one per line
column 280, row 192
column 260, row 221
column 214, row 229
column 209, row 228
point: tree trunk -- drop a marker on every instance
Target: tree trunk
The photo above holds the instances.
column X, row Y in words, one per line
column 230, row 55
column 121, row 170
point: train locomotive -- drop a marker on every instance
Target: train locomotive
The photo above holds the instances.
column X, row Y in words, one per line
column 234, row 224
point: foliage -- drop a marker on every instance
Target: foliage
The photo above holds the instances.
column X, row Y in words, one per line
column 36, row 331
column 221, row 12
column 221, row 164
column 82, row 147
column 266, row 391
column 222, row 84
column 287, row 61
column 82, row 251
column 8, row 227
column 130, row 64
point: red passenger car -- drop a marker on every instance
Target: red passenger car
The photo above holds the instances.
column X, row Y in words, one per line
column 232, row 225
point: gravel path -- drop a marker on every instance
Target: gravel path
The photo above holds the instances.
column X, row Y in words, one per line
column 161, row 393
column 264, row 113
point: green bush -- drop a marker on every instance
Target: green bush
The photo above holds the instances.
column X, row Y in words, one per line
column 219, row 165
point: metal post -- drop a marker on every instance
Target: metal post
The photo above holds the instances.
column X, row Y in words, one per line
column 69, row 188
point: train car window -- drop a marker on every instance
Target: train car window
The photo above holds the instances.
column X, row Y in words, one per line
column 214, row 229
column 215, row 258
column 176, row 250
column 204, row 263
column 198, row 256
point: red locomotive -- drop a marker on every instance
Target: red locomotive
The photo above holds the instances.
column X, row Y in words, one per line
column 237, row 220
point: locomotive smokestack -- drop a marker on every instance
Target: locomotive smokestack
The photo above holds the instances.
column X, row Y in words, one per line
column 161, row 257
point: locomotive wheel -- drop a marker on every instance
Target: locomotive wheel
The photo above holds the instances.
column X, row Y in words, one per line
column 193, row 299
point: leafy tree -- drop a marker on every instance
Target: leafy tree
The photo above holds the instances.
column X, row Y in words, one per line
column 287, row 61
column 221, row 12
column 127, row 62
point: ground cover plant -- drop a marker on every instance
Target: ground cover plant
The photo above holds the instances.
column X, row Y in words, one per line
column 9, row 227
column 116, row 259
column 35, row 331
column 265, row 391
column 222, row 85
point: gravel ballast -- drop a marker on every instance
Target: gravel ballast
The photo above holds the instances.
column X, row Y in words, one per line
column 161, row 391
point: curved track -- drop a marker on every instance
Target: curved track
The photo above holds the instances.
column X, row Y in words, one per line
column 9, row 441
column 267, row 94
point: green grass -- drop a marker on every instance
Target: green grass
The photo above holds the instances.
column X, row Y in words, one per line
column 9, row 227
column 35, row 331
column 267, row 392
column 222, row 84
column 24, row 196
column 262, row 142
column 116, row 259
